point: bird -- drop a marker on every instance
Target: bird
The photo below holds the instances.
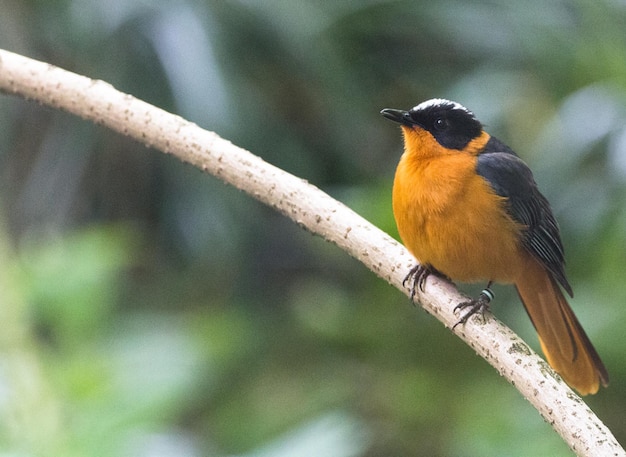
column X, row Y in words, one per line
column 468, row 208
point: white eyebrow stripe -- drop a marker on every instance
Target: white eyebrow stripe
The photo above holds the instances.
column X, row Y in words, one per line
column 439, row 101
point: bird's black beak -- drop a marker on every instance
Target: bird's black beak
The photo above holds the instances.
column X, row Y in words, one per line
column 398, row 115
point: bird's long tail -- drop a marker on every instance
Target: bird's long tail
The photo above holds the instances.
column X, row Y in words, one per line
column 564, row 342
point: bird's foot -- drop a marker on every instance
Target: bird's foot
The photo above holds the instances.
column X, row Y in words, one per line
column 416, row 278
column 477, row 306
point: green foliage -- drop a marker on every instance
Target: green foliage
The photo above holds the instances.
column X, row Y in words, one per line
column 148, row 309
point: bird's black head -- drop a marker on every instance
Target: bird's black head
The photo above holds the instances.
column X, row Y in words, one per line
column 451, row 124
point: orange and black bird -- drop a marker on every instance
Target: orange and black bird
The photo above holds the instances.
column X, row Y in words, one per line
column 468, row 208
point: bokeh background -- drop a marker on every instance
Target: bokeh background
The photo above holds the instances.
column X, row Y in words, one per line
column 148, row 309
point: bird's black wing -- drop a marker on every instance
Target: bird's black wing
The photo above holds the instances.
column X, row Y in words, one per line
column 510, row 177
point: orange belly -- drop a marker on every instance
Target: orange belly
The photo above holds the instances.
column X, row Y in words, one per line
column 450, row 218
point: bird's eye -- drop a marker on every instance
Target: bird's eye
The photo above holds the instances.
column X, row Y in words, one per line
column 441, row 123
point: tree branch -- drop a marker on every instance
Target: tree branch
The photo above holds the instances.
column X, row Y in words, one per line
column 320, row 214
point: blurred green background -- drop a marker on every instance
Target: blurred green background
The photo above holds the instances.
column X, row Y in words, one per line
column 147, row 309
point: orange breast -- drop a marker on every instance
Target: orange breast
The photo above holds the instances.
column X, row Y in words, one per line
column 450, row 218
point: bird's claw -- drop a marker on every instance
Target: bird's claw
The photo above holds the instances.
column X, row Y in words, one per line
column 416, row 277
column 477, row 306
